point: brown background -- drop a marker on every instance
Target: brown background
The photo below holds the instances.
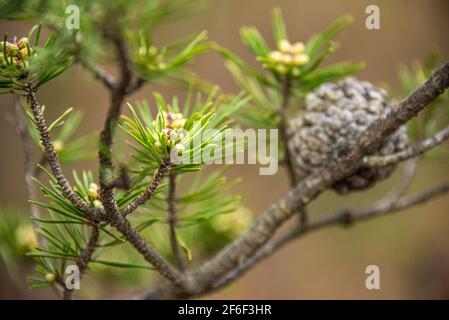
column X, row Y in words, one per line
column 410, row 248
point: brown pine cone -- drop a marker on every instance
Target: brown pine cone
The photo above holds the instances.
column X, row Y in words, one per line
column 335, row 113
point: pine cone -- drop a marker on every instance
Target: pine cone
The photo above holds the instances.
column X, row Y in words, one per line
column 335, row 113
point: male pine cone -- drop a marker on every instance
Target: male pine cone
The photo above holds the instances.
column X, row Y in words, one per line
column 336, row 113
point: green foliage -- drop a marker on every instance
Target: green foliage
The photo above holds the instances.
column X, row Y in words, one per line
column 62, row 129
column 66, row 232
column 20, row 60
column 157, row 138
column 152, row 63
column 299, row 63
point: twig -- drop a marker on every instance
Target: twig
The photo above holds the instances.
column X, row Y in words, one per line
column 286, row 87
column 405, row 180
column 99, row 73
column 162, row 171
column 52, row 157
column 150, row 254
column 85, row 256
column 343, row 163
column 411, row 152
column 117, row 95
column 136, row 85
column 288, row 161
column 172, row 221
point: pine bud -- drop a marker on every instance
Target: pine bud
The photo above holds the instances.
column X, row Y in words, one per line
column 301, row 59
column 22, row 44
column 287, row 59
column 50, row 277
column 12, row 49
column 58, row 145
column 26, row 237
column 179, row 148
column 284, row 46
column 24, row 53
column 276, row 56
column 298, row 48
column 98, row 204
column 93, row 192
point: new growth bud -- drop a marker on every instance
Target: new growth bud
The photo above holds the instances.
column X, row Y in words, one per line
column 26, row 237
column 288, row 59
column 50, row 277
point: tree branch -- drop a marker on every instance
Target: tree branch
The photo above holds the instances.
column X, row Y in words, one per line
column 411, row 152
column 286, row 88
column 107, row 79
column 85, row 256
column 150, row 254
column 52, row 157
column 117, row 95
column 163, row 170
column 345, row 160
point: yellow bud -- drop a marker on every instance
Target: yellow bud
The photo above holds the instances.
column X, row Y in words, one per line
column 295, row 72
column 12, row 49
column 179, row 148
column 142, row 51
column 152, row 50
column 24, row 53
column 287, row 59
column 58, row 145
column 276, row 56
column 298, row 48
column 162, row 65
column 281, row 69
column 26, row 237
column 22, row 43
column 50, row 277
column 301, row 59
column 178, row 123
column 98, row 204
column 93, row 191
column 284, row 46
column 157, row 144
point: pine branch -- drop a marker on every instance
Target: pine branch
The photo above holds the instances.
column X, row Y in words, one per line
column 150, row 254
column 344, row 162
column 288, row 161
column 286, row 88
column 100, row 74
column 52, row 157
column 162, row 171
column 411, row 152
column 85, row 256
column 117, row 95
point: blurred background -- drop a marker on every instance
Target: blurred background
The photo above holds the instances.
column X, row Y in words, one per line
column 410, row 247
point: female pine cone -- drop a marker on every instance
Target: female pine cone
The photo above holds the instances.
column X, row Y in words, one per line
column 336, row 113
